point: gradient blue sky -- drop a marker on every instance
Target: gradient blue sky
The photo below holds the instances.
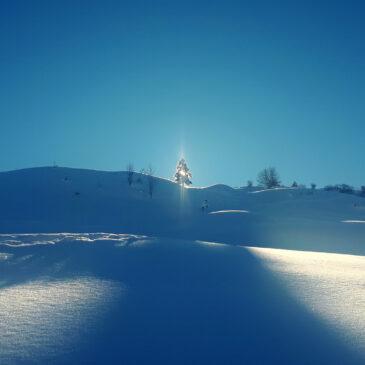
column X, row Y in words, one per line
column 234, row 85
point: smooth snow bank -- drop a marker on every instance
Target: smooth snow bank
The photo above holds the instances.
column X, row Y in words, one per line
column 330, row 285
column 230, row 211
column 354, row 221
column 68, row 299
column 263, row 190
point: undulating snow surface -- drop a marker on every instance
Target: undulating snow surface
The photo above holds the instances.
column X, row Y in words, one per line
column 260, row 277
column 109, row 298
column 74, row 200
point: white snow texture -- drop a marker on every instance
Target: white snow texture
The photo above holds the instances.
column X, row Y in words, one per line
column 264, row 277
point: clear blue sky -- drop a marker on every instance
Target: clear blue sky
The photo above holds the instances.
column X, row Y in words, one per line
column 234, row 85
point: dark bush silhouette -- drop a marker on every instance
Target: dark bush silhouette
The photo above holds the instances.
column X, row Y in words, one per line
column 130, row 173
column 268, row 178
column 150, row 180
column 341, row 188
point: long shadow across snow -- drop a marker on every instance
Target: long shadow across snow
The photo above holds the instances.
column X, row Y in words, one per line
column 255, row 230
column 184, row 303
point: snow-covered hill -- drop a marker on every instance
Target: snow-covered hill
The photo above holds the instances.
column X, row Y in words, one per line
column 124, row 299
column 170, row 284
column 72, row 200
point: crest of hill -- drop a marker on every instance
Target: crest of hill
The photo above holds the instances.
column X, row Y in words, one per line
column 60, row 199
column 219, row 188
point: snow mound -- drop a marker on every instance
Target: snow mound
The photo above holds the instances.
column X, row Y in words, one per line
column 219, row 188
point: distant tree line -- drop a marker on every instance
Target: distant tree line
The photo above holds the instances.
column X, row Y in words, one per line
column 346, row 189
column 268, row 178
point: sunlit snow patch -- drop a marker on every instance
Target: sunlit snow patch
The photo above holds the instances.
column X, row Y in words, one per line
column 231, row 211
column 211, row 244
column 272, row 189
column 5, row 256
column 41, row 320
column 331, row 285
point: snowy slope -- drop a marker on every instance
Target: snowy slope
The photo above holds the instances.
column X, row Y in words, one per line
column 72, row 200
column 108, row 298
column 157, row 288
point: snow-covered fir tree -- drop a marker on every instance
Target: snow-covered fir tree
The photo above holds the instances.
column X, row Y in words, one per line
column 183, row 174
